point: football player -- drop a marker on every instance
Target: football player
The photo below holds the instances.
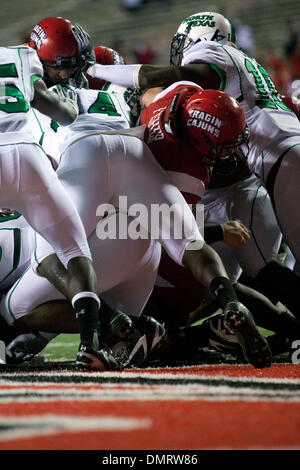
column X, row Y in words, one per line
column 64, row 50
column 66, row 53
column 30, row 186
column 203, row 51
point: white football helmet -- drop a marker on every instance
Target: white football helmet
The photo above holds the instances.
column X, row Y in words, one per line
column 203, row 26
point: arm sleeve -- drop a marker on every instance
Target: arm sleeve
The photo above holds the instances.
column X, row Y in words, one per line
column 123, row 75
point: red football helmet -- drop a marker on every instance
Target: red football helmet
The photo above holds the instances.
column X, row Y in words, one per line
column 55, row 43
column 104, row 56
column 214, row 124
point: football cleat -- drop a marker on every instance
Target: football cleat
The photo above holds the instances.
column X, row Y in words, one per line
column 114, row 326
column 133, row 350
column 89, row 358
column 239, row 321
column 25, row 347
column 119, row 324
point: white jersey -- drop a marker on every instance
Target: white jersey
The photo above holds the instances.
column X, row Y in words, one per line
column 19, row 68
column 269, row 119
column 16, row 247
column 44, row 130
column 100, row 111
column 131, row 96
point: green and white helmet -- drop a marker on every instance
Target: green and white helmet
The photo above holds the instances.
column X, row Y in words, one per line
column 203, row 26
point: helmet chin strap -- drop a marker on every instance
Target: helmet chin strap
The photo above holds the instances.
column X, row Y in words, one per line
column 242, row 139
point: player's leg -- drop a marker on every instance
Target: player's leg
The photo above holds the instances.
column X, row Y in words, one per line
column 283, row 186
column 251, row 204
column 139, row 259
column 275, row 280
column 129, row 290
column 48, row 209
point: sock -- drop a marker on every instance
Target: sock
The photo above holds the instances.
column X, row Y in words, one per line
column 223, row 290
column 86, row 308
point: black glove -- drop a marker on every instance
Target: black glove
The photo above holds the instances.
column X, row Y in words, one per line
column 86, row 54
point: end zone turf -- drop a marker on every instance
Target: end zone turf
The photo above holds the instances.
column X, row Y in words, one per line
column 207, row 406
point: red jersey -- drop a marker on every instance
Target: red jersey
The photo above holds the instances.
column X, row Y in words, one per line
column 192, row 177
column 177, row 157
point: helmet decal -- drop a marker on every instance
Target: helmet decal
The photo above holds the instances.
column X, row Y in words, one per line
column 37, row 35
column 200, row 20
column 55, row 42
column 203, row 26
column 205, row 121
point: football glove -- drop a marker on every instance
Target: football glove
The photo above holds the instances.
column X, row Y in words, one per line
column 85, row 51
column 66, row 94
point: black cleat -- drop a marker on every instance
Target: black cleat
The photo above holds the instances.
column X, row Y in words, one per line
column 133, row 350
column 239, row 321
column 114, row 325
column 89, row 358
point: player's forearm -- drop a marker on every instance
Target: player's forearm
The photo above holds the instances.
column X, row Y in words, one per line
column 149, row 76
column 62, row 112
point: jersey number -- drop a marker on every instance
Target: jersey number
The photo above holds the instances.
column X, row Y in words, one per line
column 12, row 99
column 266, row 100
column 104, row 105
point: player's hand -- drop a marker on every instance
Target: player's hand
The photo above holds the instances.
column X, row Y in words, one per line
column 86, row 53
column 82, row 38
column 236, row 234
column 66, row 94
